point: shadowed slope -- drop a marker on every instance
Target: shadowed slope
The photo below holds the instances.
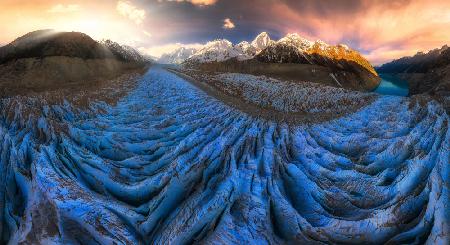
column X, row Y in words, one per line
column 48, row 60
column 426, row 72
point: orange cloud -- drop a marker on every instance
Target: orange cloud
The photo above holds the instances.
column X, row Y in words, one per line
column 194, row 2
column 99, row 19
column 61, row 8
column 125, row 8
column 203, row 2
column 380, row 29
column 228, row 24
column 384, row 30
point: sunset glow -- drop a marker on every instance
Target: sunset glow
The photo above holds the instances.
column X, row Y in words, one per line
column 381, row 30
column 99, row 19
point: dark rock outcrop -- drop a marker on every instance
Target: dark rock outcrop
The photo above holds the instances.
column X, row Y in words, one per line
column 352, row 68
column 47, row 43
column 46, row 60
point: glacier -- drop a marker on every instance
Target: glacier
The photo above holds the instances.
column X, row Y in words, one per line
column 170, row 164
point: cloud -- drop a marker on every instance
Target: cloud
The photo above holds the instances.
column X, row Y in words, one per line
column 380, row 29
column 228, row 24
column 194, row 2
column 148, row 34
column 383, row 29
column 381, row 55
column 203, row 2
column 125, row 8
column 61, row 8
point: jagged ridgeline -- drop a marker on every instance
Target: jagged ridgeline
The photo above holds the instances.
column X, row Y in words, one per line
column 425, row 72
column 292, row 57
column 295, row 49
column 46, row 59
column 48, row 43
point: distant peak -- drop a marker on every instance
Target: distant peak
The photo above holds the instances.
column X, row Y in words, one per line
column 261, row 41
column 294, row 36
column 218, row 41
column 263, row 34
column 296, row 40
column 320, row 42
column 243, row 43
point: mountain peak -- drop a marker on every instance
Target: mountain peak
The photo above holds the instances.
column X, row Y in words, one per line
column 217, row 50
column 293, row 48
column 177, row 56
column 218, row 43
column 296, row 40
column 261, row 41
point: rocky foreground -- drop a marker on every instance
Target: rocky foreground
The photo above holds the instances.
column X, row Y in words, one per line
column 170, row 164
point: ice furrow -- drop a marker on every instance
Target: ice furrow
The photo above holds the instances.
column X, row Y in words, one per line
column 169, row 164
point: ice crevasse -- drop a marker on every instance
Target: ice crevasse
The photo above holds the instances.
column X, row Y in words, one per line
column 169, row 164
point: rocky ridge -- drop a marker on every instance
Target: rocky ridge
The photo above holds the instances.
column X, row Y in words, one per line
column 298, row 59
column 46, row 60
column 426, row 72
column 290, row 49
column 296, row 49
column 218, row 50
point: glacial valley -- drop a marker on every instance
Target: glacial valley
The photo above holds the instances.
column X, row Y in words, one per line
column 168, row 163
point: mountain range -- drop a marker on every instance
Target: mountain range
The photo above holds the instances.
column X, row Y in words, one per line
column 292, row 57
column 295, row 49
column 290, row 49
column 426, row 72
column 217, row 50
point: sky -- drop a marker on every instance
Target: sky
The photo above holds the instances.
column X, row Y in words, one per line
column 381, row 30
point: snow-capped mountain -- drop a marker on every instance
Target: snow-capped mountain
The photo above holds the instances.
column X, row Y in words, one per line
column 293, row 39
column 290, row 49
column 295, row 49
column 221, row 50
column 246, row 49
column 340, row 62
column 124, row 52
column 262, row 41
column 218, row 50
column 177, row 56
